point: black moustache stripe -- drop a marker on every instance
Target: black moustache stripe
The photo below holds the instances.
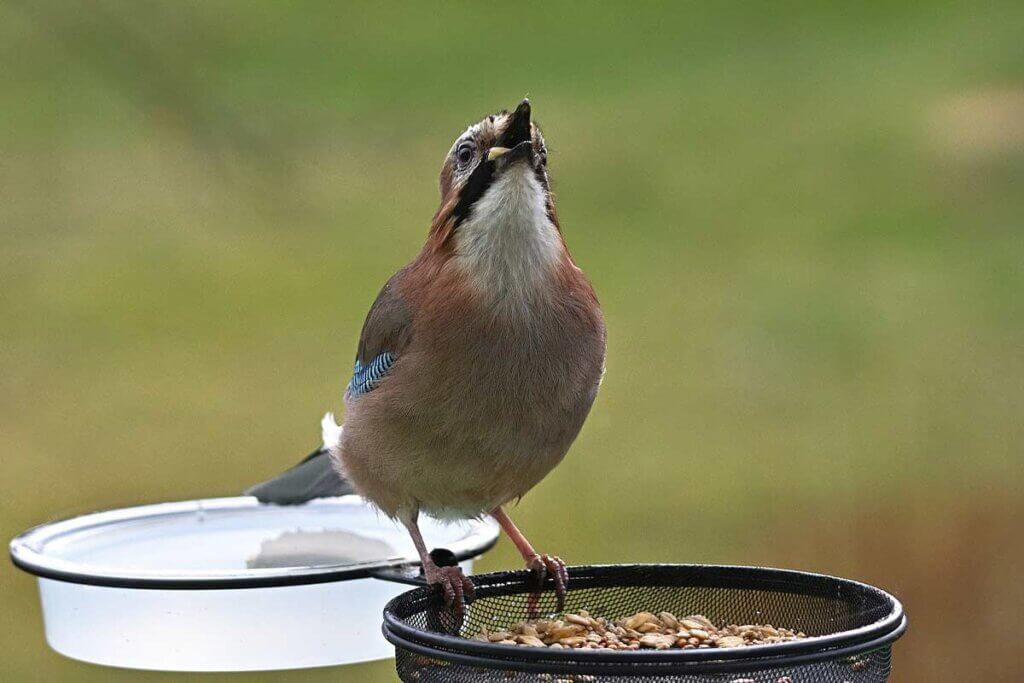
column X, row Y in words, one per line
column 479, row 180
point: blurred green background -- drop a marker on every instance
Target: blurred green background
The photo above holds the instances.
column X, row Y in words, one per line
column 804, row 222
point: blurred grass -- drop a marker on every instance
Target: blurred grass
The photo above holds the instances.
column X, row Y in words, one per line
column 803, row 221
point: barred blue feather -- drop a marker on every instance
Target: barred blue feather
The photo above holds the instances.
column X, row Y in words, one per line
column 366, row 377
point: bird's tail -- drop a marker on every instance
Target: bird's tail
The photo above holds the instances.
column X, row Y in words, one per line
column 314, row 477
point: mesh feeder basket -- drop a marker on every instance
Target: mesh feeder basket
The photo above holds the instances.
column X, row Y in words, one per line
column 850, row 627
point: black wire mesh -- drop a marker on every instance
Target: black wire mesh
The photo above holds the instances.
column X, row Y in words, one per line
column 851, row 625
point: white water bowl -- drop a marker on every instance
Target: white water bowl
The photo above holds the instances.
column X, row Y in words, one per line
column 227, row 584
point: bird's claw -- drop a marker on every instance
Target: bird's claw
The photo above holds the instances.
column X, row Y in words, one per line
column 544, row 566
column 458, row 589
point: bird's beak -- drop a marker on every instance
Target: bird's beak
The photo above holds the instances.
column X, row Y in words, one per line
column 496, row 152
column 516, row 143
column 517, row 140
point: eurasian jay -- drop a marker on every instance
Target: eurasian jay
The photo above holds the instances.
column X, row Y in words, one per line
column 478, row 362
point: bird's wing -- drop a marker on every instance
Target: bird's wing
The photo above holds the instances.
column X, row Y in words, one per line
column 386, row 333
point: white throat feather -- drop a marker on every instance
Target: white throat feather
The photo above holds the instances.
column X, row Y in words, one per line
column 508, row 246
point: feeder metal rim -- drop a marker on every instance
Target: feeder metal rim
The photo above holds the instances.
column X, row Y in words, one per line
column 599, row 667
column 25, row 554
column 814, row 648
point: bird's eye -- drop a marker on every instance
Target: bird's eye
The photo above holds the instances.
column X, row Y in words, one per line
column 465, row 153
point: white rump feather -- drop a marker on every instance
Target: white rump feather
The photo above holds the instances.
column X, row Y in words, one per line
column 330, row 431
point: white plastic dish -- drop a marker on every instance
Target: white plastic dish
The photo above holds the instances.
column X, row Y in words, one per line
column 227, row 584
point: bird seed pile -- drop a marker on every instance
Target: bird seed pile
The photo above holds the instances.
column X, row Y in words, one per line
column 642, row 630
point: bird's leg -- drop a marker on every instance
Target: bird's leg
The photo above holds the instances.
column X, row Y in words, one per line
column 452, row 581
column 541, row 565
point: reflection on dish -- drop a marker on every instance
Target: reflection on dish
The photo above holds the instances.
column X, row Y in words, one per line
column 318, row 548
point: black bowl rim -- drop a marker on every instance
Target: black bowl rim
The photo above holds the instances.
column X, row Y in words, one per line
column 815, row 649
column 26, row 555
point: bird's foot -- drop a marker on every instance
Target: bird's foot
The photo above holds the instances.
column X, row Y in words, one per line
column 542, row 567
column 457, row 587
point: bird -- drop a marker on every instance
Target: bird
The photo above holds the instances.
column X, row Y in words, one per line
column 477, row 364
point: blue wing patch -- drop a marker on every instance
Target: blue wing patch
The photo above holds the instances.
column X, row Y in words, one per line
column 366, row 377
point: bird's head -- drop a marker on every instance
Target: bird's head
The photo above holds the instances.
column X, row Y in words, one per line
column 497, row 164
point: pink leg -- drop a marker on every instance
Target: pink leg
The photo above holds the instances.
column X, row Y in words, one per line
column 455, row 585
column 542, row 565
